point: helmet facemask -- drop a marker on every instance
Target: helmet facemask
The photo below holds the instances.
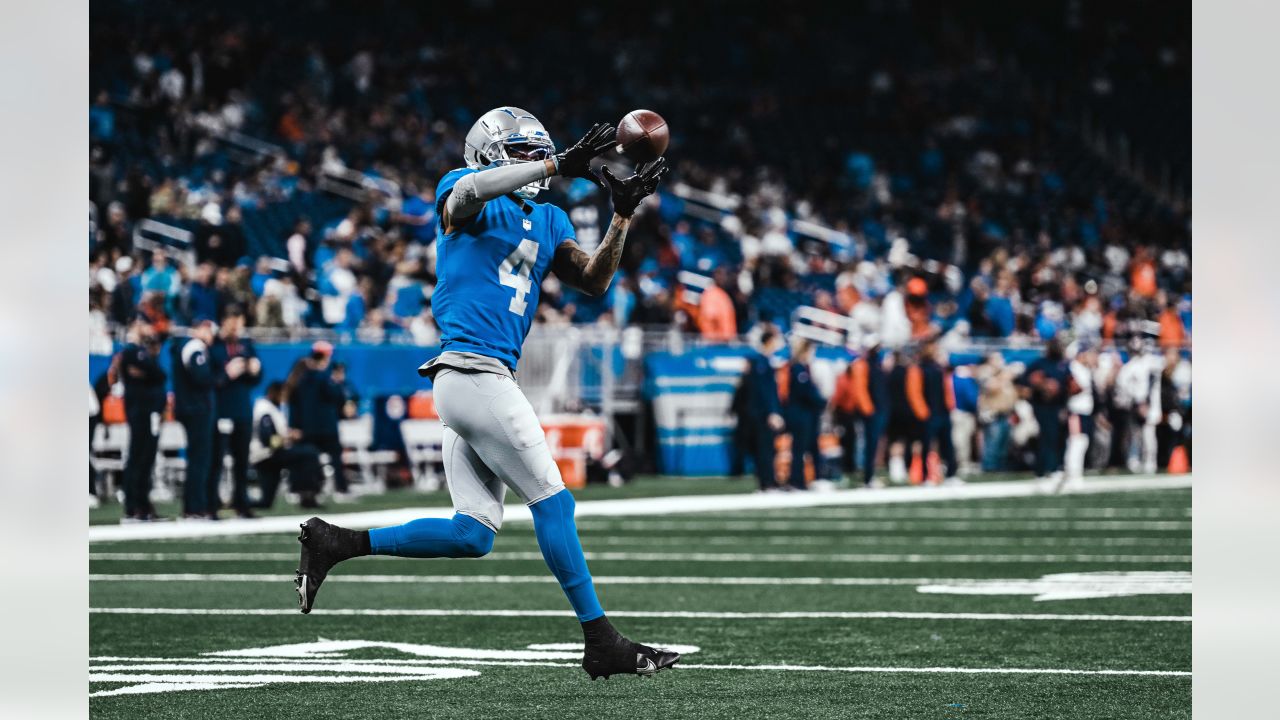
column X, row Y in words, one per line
column 522, row 150
column 508, row 135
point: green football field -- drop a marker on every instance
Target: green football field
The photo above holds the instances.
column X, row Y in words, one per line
column 1071, row 606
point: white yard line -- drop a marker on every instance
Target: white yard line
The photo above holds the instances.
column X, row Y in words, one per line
column 540, row 579
column 661, row 506
column 221, row 664
column 820, row 615
column 685, row 557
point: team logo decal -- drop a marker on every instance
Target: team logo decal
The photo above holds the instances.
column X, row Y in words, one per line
column 323, row 661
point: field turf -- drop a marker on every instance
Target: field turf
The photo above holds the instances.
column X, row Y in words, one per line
column 815, row 613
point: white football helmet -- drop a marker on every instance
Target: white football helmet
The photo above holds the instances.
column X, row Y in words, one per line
column 508, row 135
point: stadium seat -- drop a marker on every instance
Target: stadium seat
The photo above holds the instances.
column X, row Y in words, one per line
column 573, row 439
column 356, row 438
column 113, row 410
column 170, row 454
column 109, row 451
column 422, row 406
column 423, row 444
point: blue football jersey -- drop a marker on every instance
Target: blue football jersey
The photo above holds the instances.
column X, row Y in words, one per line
column 489, row 273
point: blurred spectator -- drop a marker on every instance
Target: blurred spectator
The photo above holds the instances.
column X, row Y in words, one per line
column 203, row 298
column 273, row 451
column 996, row 399
column 1080, row 409
column 418, row 214
column 862, row 397
column 802, row 410
column 236, row 371
column 1169, row 431
column 716, row 318
column 219, row 239
column 115, row 236
column 964, row 418
column 1172, row 332
column 297, row 244
column 1138, row 396
column 1000, row 305
column 195, row 406
column 350, row 396
column 758, row 411
column 908, row 413
column 316, row 398
column 1045, row 387
column 939, row 396
column 99, row 335
column 95, row 419
column 127, row 292
column 161, row 278
column 138, row 367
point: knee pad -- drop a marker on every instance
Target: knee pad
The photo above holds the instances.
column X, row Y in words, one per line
column 474, row 538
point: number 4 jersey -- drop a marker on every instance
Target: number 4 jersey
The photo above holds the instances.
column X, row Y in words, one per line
column 489, row 273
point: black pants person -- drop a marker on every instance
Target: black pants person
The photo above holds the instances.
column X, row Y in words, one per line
column 141, row 462
column 938, row 435
column 759, row 443
column 199, row 496
column 804, row 441
column 94, row 422
column 1049, row 443
column 908, row 430
column 847, row 425
column 303, row 464
column 873, row 427
column 237, row 443
column 328, row 444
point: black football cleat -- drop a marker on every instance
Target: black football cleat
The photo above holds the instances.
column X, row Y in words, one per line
column 323, row 546
column 624, row 657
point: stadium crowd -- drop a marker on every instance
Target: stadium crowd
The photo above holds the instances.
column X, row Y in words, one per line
column 1070, row 408
column 943, row 167
column 926, row 185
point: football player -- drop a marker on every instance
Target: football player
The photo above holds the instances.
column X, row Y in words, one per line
column 494, row 245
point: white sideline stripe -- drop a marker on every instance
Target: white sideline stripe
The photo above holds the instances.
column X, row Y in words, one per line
column 686, row 615
column 660, row 506
column 1003, row 513
column 852, row 542
column 825, row 525
column 390, row 664
column 824, row 540
column 544, row 579
column 953, row 670
column 685, row 557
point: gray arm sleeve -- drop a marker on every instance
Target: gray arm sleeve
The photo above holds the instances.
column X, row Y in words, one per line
column 472, row 191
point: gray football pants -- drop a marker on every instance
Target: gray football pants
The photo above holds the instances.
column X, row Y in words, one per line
column 492, row 440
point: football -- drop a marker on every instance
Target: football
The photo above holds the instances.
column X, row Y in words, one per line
column 642, row 136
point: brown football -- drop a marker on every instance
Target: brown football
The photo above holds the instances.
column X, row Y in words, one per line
column 643, row 136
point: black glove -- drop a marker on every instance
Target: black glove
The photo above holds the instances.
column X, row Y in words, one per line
column 628, row 193
column 576, row 161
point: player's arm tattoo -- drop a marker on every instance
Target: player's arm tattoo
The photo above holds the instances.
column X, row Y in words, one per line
column 592, row 273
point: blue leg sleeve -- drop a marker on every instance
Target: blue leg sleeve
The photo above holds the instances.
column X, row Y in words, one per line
column 558, row 539
column 458, row 537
